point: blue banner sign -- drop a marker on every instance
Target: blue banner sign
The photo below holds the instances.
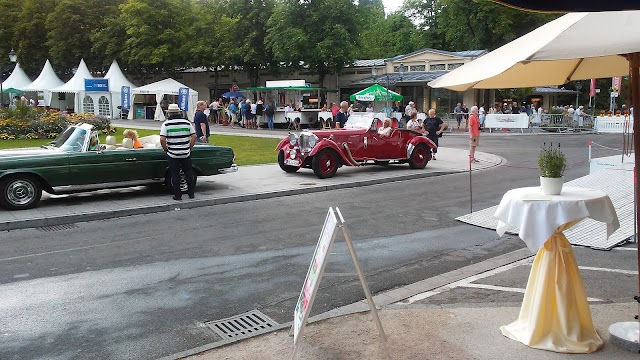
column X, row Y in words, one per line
column 183, row 98
column 96, row 85
column 125, row 98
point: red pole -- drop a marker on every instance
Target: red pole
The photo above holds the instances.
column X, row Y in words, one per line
column 634, row 64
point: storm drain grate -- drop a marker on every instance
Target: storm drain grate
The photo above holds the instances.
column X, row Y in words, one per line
column 58, row 227
column 247, row 324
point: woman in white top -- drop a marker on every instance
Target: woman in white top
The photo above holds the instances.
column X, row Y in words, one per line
column 385, row 130
column 413, row 123
column 369, row 108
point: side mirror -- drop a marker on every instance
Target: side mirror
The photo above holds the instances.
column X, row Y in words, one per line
column 101, row 148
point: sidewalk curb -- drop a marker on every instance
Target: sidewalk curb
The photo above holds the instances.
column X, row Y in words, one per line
column 191, row 204
column 382, row 299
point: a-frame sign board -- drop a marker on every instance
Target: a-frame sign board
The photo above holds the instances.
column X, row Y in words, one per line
column 332, row 224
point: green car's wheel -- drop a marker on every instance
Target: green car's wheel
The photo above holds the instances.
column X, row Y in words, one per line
column 20, row 192
column 184, row 188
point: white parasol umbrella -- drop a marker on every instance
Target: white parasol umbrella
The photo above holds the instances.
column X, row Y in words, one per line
column 576, row 46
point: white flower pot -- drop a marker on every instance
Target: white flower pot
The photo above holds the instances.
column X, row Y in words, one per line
column 551, row 186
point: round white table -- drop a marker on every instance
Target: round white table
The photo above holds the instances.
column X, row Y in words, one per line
column 555, row 313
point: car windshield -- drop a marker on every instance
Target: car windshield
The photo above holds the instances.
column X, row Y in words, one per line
column 360, row 122
column 72, row 139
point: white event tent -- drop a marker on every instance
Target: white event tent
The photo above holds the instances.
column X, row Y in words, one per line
column 160, row 89
column 116, row 81
column 17, row 80
column 46, row 81
column 83, row 101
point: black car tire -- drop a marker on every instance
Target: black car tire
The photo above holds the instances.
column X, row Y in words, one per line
column 183, row 182
column 325, row 163
column 20, row 192
column 419, row 157
column 285, row 168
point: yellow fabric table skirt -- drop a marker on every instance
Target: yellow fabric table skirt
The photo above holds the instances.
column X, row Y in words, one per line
column 555, row 313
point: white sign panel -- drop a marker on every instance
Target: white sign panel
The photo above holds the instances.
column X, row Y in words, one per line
column 286, row 83
column 314, row 274
column 506, row 121
column 365, row 97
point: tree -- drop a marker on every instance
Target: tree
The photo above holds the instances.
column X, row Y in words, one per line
column 478, row 24
column 322, row 37
column 31, row 34
column 70, row 28
column 210, row 46
column 157, row 32
column 388, row 37
column 9, row 13
column 251, row 26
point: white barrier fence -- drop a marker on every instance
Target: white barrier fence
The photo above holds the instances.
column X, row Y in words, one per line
column 506, row 121
column 612, row 124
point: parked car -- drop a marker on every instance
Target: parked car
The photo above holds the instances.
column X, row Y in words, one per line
column 358, row 143
column 77, row 162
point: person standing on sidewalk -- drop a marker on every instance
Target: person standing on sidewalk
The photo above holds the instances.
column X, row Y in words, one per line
column 214, row 107
column 201, row 124
column 474, row 133
column 177, row 137
column 433, row 127
column 233, row 113
column 259, row 113
column 269, row 112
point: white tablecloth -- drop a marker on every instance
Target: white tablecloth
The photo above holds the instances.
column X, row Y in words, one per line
column 537, row 216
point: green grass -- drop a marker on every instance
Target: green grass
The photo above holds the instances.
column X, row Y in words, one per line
column 248, row 150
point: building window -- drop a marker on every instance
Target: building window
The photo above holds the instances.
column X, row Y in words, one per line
column 364, row 72
column 402, row 68
column 349, row 73
column 104, row 108
column 454, row 66
column 437, row 67
column 418, row 68
column 87, row 105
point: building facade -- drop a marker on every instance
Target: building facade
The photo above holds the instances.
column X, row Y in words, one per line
column 407, row 74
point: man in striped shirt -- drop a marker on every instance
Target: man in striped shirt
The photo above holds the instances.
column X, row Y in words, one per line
column 177, row 137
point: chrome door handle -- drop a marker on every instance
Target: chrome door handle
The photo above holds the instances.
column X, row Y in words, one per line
column 131, row 159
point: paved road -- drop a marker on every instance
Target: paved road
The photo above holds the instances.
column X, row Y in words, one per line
column 141, row 287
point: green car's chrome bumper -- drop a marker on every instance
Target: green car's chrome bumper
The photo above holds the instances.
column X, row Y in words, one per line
column 233, row 168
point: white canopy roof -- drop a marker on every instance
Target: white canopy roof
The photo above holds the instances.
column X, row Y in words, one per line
column 166, row 86
column 47, row 80
column 17, row 80
column 76, row 84
column 116, row 78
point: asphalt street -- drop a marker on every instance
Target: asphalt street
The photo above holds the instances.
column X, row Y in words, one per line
column 141, row 287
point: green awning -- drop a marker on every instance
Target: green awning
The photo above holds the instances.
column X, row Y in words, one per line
column 12, row 91
column 376, row 92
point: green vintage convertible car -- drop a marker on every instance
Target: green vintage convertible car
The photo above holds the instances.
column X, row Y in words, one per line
column 77, row 162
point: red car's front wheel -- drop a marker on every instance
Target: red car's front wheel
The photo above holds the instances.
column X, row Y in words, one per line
column 325, row 163
column 419, row 157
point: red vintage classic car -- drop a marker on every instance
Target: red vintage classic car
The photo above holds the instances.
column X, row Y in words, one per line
column 357, row 144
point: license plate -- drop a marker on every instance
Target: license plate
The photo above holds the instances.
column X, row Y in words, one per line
column 292, row 162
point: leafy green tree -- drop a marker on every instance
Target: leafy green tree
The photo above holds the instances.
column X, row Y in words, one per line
column 157, row 32
column 471, row 24
column 322, row 35
column 31, row 34
column 70, row 28
column 211, row 46
column 9, row 12
column 251, row 28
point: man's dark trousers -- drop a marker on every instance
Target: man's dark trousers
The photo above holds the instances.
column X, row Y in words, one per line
column 174, row 167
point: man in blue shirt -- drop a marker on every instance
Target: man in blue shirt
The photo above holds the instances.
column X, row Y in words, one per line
column 233, row 110
column 200, row 123
column 343, row 115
